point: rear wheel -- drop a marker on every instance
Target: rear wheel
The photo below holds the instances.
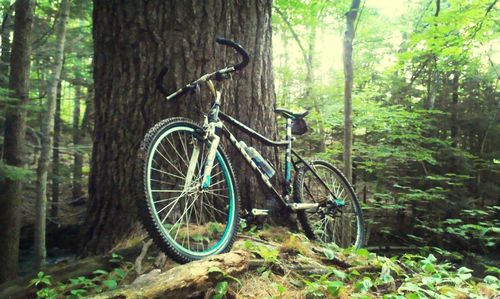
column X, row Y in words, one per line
column 186, row 221
column 339, row 218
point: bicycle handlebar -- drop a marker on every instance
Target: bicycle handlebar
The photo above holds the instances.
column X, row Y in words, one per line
column 238, row 48
column 218, row 74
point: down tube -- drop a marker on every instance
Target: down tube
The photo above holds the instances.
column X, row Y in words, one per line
column 254, row 166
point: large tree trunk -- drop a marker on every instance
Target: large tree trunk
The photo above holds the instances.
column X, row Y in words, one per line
column 15, row 122
column 48, row 137
column 133, row 40
column 348, row 82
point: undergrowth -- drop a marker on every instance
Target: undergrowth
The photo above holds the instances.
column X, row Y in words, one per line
column 287, row 265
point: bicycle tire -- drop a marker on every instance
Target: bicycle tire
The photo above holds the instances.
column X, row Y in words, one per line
column 153, row 146
column 315, row 192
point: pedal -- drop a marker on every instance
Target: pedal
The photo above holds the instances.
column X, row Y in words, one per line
column 260, row 212
column 303, row 206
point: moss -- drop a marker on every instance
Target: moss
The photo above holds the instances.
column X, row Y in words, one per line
column 294, row 245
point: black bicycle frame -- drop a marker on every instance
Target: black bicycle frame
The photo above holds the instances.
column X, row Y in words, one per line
column 289, row 162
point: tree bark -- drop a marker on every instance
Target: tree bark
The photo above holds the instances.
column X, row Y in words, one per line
column 15, row 122
column 48, row 137
column 54, row 207
column 348, row 83
column 133, row 40
column 5, row 58
column 185, row 281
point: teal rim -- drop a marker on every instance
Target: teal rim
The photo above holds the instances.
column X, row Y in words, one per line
column 231, row 197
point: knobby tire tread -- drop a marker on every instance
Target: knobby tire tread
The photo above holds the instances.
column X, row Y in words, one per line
column 146, row 213
column 302, row 216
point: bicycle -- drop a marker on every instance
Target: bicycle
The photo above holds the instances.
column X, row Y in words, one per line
column 191, row 209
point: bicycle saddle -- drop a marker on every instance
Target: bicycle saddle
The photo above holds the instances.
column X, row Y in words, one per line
column 290, row 114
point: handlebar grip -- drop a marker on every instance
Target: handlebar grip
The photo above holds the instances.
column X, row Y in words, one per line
column 163, row 89
column 159, row 81
column 238, row 48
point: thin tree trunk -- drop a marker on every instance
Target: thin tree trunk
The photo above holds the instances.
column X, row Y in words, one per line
column 432, row 86
column 307, row 55
column 15, row 116
column 133, row 40
column 77, row 156
column 55, row 154
column 48, row 137
column 5, row 59
column 348, row 83
column 454, row 110
column 78, row 132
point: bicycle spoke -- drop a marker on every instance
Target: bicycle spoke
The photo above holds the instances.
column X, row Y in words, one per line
column 175, row 149
column 166, row 172
column 336, row 223
column 192, row 220
column 167, row 155
column 215, row 209
column 215, row 194
column 166, row 199
column 183, row 146
column 162, row 182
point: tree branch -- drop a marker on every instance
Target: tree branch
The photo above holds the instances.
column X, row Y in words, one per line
column 438, row 8
column 294, row 34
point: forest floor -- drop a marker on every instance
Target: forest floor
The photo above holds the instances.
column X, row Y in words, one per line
column 268, row 263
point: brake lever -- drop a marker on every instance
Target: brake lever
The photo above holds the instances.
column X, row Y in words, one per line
column 195, row 89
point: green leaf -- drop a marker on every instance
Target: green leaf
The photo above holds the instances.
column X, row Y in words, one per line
column 120, row 273
column 333, row 287
column 215, row 270
column 340, row 274
column 279, row 287
column 489, row 279
column 110, row 284
column 100, row 272
column 78, row 293
column 330, row 254
column 363, row 252
column 363, row 285
column 221, row 288
column 15, row 173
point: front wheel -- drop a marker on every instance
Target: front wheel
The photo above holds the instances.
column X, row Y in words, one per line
column 338, row 218
column 186, row 221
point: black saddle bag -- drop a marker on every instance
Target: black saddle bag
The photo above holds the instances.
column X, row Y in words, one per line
column 299, row 126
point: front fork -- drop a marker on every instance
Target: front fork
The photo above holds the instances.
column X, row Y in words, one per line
column 212, row 126
column 206, row 178
column 210, row 135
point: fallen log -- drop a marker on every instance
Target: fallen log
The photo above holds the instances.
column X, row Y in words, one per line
column 184, row 281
